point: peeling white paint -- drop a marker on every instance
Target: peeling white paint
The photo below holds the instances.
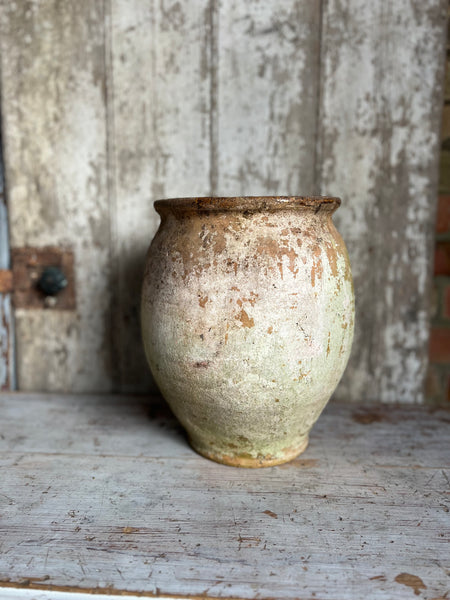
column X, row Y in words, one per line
column 378, row 140
column 267, row 96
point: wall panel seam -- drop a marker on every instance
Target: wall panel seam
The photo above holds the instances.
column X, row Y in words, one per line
column 320, row 75
column 214, row 86
column 115, row 280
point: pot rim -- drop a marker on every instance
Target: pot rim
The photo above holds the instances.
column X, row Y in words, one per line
column 246, row 203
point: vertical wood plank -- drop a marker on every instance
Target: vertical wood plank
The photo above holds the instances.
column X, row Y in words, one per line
column 160, row 144
column 267, row 84
column 7, row 342
column 382, row 75
column 53, row 103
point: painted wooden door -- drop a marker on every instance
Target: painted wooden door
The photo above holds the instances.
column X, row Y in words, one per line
column 109, row 105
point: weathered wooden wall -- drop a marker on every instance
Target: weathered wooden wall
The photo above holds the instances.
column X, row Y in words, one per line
column 382, row 84
column 109, row 105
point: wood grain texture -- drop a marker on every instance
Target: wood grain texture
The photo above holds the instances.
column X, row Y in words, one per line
column 53, row 103
column 382, row 77
column 267, row 84
column 159, row 140
column 113, row 500
column 31, row 594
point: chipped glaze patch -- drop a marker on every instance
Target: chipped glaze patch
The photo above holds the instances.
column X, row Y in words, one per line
column 247, row 323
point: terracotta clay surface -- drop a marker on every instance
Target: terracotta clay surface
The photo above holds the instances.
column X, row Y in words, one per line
column 247, row 316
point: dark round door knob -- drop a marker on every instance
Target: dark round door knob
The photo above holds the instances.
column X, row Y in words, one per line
column 52, row 281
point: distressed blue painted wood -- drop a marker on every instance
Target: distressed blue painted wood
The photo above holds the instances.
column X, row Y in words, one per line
column 7, row 367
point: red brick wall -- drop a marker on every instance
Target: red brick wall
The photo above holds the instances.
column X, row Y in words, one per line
column 438, row 385
column 438, row 381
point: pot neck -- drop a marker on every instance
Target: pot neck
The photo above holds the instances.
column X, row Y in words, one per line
column 247, row 204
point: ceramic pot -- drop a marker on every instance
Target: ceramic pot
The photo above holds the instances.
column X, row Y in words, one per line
column 247, row 321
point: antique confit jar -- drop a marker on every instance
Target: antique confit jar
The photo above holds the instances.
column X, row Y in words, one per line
column 247, row 320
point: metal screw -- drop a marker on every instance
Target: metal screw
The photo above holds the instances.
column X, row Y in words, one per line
column 52, row 281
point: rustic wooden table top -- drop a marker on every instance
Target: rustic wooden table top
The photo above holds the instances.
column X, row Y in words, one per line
column 102, row 493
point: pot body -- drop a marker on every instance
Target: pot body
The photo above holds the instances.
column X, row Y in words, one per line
column 247, row 319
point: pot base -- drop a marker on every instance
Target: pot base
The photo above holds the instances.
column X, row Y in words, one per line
column 247, row 461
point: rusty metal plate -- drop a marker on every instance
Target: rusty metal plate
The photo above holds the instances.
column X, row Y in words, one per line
column 6, row 281
column 27, row 267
